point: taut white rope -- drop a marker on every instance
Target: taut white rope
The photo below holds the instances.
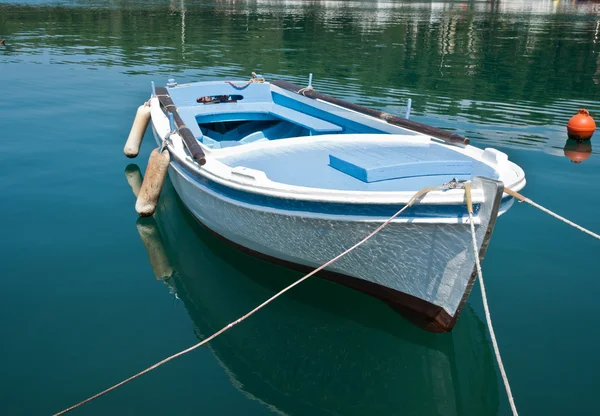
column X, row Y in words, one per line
column 488, row 318
column 521, row 198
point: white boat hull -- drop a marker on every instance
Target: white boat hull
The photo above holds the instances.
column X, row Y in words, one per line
column 425, row 266
column 299, row 211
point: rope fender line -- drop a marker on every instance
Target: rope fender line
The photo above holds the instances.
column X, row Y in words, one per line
column 418, row 195
column 522, row 198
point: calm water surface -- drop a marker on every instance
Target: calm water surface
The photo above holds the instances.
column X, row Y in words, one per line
column 81, row 309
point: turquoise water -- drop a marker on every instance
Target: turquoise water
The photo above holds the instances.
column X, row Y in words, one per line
column 81, row 309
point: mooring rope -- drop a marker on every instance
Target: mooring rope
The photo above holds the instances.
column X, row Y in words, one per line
column 522, row 198
column 304, row 90
column 415, row 197
column 488, row 317
column 254, row 80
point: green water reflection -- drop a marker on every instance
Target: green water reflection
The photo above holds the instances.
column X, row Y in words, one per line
column 81, row 309
column 517, row 64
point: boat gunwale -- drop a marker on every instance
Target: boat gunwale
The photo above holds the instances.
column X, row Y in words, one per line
column 211, row 170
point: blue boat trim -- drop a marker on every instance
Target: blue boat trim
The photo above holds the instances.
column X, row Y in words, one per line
column 409, row 125
column 327, row 208
column 365, row 125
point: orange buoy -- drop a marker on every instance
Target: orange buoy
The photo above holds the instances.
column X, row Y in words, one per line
column 581, row 126
column 578, row 151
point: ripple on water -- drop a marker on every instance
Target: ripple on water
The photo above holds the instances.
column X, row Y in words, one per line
column 496, row 75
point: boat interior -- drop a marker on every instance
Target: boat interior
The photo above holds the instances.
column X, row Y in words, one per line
column 222, row 116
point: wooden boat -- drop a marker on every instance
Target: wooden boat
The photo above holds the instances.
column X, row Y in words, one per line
column 298, row 177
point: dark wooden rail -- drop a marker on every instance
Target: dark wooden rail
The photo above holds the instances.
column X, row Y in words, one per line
column 444, row 135
column 186, row 134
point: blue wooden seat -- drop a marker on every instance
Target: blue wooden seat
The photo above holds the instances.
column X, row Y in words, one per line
column 374, row 165
column 312, row 123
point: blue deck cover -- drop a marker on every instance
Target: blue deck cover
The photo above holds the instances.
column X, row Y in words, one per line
column 382, row 164
column 308, row 164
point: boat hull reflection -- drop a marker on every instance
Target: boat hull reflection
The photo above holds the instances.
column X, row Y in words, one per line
column 321, row 348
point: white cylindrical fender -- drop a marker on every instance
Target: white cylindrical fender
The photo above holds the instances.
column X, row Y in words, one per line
column 136, row 135
column 134, row 178
column 155, row 247
column 154, row 179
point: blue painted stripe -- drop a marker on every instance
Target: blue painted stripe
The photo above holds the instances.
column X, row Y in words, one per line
column 328, row 208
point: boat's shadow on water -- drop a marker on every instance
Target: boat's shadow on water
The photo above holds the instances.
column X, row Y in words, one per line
column 321, row 348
